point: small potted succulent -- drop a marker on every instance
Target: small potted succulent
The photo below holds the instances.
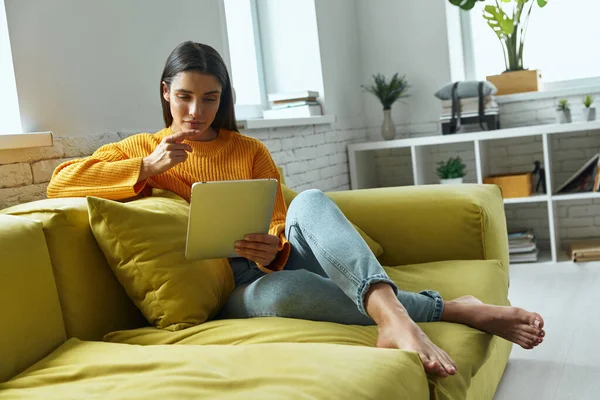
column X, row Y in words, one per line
column 563, row 112
column 451, row 171
column 589, row 112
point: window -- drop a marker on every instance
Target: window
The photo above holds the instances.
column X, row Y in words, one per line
column 246, row 58
column 559, row 42
column 10, row 117
column 274, row 48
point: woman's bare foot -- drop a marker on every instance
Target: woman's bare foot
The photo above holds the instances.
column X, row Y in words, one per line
column 402, row 333
column 511, row 323
column 398, row 331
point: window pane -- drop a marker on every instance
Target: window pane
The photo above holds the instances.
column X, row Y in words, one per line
column 242, row 49
column 10, row 118
column 559, row 41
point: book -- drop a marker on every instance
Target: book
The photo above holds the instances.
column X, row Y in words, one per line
column 585, row 250
column 293, row 95
column 469, row 101
column 525, row 257
column 522, row 249
column 280, row 105
column 293, row 112
column 278, row 102
column 585, row 179
column 520, row 234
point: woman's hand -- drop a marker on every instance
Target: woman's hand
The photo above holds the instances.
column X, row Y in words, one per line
column 260, row 248
column 169, row 152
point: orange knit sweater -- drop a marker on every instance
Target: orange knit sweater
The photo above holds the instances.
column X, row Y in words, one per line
column 113, row 170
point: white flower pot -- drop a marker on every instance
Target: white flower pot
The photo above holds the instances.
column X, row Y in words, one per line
column 454, row 181
column 563, row 117
column 589, row 114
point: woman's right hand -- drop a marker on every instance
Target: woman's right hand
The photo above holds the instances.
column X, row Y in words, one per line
column 169, row 152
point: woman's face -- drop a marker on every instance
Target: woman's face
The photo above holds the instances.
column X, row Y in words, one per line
column 194, row 100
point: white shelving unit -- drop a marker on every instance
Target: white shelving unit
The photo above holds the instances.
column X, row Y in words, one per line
column 363, row 171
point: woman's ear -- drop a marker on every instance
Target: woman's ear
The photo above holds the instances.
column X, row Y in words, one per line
column 166, row 94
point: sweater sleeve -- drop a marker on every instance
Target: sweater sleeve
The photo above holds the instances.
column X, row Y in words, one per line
column 108, row 173
column 264, row 167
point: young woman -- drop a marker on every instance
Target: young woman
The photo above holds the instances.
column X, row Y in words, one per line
column 312, row 264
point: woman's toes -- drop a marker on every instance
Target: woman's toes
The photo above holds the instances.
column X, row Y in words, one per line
column 536, row 320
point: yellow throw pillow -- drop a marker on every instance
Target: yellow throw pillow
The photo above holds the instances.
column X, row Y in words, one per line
column 375, row 247
column 144, row 244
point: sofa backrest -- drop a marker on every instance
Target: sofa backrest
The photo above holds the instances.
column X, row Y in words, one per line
column 32, row 323
column 92, row 301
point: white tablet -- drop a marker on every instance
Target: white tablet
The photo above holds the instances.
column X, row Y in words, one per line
column 223, row 212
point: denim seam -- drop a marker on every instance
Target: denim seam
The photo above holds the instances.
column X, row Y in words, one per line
column 438, row 309
column 366, row 285
column 328, row 256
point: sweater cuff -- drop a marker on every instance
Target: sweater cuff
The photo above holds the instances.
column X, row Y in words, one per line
column 282, row 256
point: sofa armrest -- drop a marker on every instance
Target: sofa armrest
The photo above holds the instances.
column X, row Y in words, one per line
column 419, row 224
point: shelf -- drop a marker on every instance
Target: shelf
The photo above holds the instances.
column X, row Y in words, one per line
column 548, row 129
column 539, row 198
column 576, row 196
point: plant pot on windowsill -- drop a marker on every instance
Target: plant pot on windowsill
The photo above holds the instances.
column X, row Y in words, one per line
column 563, row 112
column 511, row 82
column 589, row 114
column 563, row 116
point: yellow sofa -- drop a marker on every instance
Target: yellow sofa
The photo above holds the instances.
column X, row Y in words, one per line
column 70, row 331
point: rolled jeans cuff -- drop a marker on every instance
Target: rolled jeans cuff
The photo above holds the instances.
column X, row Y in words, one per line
column 365, row 285
column 438, row 309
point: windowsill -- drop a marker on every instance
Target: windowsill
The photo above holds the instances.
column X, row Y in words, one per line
column 25, row 140
column 261, row 123
column 548, row 94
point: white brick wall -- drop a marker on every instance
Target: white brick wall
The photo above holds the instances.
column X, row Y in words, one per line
column 311, row 157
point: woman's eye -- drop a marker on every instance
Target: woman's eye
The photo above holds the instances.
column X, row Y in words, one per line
column 183, row 97
column 210, row 99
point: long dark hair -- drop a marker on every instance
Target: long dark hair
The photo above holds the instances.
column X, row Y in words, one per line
column 192, row 56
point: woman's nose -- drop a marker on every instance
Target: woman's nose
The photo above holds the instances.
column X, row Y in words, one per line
column 195, row 110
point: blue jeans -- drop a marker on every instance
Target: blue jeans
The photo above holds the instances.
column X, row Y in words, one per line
column 326, row 278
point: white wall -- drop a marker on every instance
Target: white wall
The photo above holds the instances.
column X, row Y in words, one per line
column 340, row 61
column 409, row 38
column 86, row 66
column 290, row 45
column 10, row 119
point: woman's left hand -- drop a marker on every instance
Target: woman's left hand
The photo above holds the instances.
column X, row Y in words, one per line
column 261, row 248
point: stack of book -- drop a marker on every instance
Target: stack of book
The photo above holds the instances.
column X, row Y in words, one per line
column 522, row 247
column 293, row 105
column 469, row 107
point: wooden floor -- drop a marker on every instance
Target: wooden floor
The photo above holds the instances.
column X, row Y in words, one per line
column 567, row 364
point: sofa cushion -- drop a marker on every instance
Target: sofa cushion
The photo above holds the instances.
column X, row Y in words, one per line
column 32, row 324
column 92, row 301
column 289, row 195
column 470, row 348
column 271, row 371
column 144, row 243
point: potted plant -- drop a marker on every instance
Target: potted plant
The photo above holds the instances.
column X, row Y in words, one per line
column 509, row 20
column 451, row 171
column 388, row 93
column 563, row 112
column 589, row 112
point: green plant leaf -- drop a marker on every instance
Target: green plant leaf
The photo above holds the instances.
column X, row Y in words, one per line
column 465, row 4
column 542, row 3
column 497, row 19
